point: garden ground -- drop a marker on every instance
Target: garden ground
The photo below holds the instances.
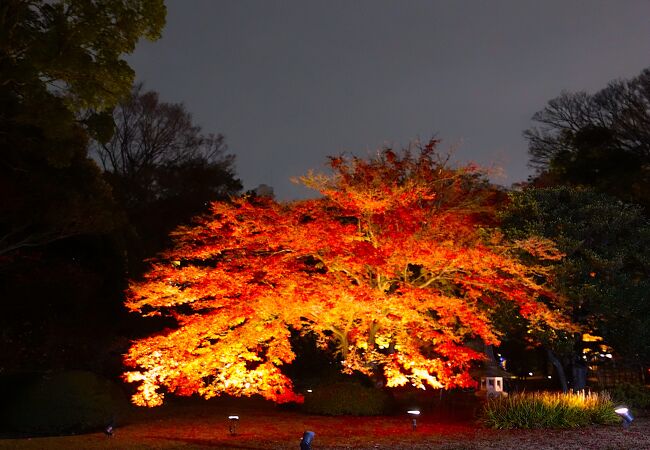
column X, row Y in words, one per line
column 204, row 425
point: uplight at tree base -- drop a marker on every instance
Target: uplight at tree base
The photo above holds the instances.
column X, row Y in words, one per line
column 625, row 414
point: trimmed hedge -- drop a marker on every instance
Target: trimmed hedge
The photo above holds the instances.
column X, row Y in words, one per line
column 64, row 403
column 549, row 410
column 346, row 398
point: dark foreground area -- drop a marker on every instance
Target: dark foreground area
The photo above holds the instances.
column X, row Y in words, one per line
column 204, row 425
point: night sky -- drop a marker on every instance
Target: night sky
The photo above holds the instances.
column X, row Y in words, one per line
column 290, row 82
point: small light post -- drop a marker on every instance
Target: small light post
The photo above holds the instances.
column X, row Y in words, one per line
column 625, row 414
column 232, row 424
column 307, row 438
column 413, row 414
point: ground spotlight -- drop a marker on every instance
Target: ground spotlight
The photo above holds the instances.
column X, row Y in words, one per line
column 414, row 413
column 625, row 414
column 232, row 424
column 307, row 438
column 109, row 430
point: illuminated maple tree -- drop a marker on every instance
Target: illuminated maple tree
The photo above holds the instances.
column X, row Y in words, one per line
column 396, row 266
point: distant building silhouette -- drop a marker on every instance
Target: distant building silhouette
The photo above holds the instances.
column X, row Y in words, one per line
column 263, row 190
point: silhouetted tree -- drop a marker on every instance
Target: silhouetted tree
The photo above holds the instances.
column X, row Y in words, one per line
column 162, row 167
column 600, row 140
column 61, row 72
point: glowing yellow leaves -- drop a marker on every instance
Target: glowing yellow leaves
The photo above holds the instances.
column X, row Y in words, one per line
column 211, row 355
column 147, row 394
column 586, row 337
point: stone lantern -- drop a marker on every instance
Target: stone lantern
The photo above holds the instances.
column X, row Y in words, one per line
column 491, row 381
column 493, row 386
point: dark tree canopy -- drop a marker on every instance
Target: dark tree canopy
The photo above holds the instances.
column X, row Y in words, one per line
column 74, row 48
column 606, row 272
column 162, row 167
column 60, row 72
column 600, row 140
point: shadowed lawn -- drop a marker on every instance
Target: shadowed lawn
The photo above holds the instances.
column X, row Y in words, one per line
column 196, row 425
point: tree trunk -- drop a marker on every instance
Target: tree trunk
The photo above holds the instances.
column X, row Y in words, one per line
column 579, row 372
column 559, row 369
column 489, row 351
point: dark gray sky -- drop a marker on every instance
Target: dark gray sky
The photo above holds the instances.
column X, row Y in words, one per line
column 290, row 82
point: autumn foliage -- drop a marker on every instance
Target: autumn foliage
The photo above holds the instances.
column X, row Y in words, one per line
column 395, row 269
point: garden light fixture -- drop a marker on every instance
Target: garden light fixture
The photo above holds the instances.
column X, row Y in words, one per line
column 414, row 413
column 307, row 438
column 232, row 424
column 625, row 414
column 109, row 429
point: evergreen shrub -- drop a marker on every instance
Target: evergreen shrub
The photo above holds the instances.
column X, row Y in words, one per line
column 64, row 403
column 346, row 398
column 632, row 395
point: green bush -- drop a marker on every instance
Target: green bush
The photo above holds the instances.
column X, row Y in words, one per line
column 64, row 403
column 346, row 397
column 549, row 410
column 632, row 395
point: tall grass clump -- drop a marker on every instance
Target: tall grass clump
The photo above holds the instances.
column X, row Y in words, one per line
column 549, row 410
